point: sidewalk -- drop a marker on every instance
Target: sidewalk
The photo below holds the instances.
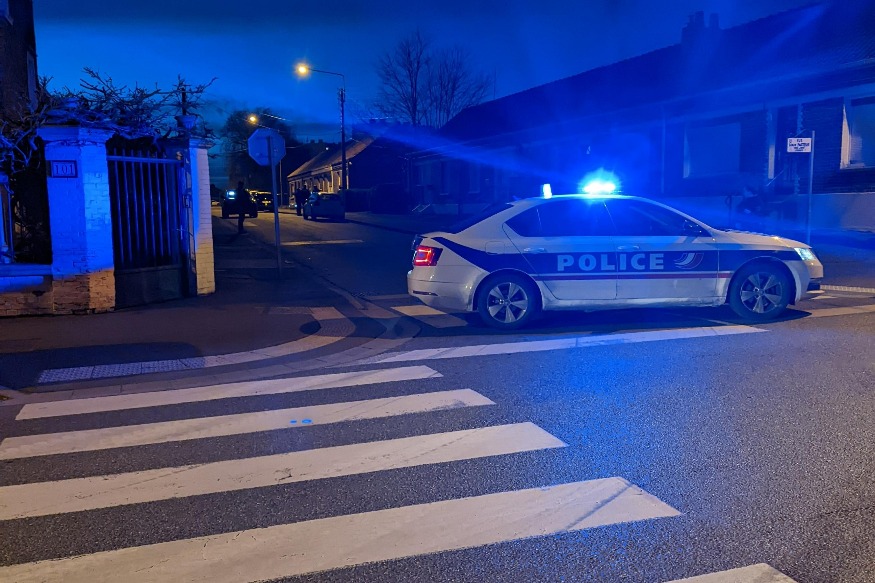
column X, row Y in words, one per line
column 250, row 312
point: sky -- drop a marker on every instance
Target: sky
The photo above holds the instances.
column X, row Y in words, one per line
column 251, row 47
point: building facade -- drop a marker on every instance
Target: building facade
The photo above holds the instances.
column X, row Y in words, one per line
column 18, row 72
column 692, row 124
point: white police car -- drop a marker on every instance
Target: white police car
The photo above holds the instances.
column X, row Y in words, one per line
column 586, row 252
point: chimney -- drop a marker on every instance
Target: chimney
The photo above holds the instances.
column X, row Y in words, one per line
column 696, row 38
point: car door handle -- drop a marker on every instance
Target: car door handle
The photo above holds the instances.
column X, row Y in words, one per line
column 628, row 248
column 534, row 250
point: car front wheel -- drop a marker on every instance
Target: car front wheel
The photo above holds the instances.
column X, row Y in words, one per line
column 507, row 302
column 759, row 292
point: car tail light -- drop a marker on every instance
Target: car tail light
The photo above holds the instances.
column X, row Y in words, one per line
column 426, row 256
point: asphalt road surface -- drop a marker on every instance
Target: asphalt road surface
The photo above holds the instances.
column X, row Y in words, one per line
column 634, row 446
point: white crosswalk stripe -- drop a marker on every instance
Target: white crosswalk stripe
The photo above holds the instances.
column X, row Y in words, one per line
column 760, row 573
column 311, row 545
column 342, row 541
column 562, row 343
column 209, row 393
column 43, row 498
column 203, row 427
column 432, row 317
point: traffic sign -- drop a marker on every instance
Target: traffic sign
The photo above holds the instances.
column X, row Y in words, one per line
column 799, row 145
column 266, row 146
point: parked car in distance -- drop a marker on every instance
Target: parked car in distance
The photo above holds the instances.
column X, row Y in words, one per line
column 323, row 204
column 263, row 199
column 233, row 204
column 599, row 252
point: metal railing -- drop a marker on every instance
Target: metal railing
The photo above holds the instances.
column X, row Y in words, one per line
column 145, row 201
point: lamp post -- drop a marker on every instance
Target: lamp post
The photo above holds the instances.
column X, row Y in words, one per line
column 303, row 70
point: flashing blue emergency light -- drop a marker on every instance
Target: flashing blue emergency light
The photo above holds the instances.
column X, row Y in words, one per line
column 599, row 186
column 546, row 191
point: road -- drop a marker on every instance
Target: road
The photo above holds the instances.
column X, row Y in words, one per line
column 645, row 446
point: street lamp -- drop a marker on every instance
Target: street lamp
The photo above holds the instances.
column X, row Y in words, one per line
column 303, row 70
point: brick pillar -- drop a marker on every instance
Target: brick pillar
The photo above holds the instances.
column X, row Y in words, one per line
column 198, row 222
column 80, row 219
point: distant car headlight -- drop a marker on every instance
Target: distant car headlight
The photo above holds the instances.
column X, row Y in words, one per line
column 805, row 253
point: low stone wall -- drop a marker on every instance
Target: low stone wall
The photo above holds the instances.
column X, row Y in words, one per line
column 26, row 290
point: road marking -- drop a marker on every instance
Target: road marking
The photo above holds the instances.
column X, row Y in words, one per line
column 827, row 312
column 208, row 393
column 328, row 242
column 823, row 297
column 760, row 573
column 388, row 297
column 310, row 342
column 430, row 316
column 848, row 288
column 241, row 423
column 311, row 546
column 561, row 343
column 79, row 494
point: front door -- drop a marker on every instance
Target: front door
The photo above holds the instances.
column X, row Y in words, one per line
column 661, row 254
column 567, row 244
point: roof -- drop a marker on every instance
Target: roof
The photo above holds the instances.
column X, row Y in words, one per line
column 332, row 156
column 795, row 46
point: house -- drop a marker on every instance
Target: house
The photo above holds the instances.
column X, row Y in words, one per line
column 18, row 73
column 691, row 124
column 376, row 159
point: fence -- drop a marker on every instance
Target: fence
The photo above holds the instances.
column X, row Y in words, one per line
column 146, row 231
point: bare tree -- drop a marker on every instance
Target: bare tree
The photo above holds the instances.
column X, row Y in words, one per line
column 452, row 86
column 402, row 73
column 423, row 85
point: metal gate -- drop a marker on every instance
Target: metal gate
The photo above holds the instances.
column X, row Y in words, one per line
column 147, row 227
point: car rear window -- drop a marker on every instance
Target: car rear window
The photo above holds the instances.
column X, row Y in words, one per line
column 489, row 211
column 329, row 197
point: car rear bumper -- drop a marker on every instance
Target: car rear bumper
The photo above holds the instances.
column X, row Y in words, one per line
column 447, row 296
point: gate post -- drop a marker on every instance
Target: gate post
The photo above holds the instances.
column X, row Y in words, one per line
column 83, row 276
column 197, row 220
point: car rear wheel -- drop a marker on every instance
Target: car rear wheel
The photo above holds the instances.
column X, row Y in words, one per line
column 760, row 292
column 508, row 301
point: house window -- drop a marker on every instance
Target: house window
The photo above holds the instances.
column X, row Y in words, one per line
column 858, row 134
column 712, row 150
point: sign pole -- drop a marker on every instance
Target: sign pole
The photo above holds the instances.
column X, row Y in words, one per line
column 810, row 190
column 276, row 211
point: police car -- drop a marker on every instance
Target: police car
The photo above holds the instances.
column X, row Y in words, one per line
column 583, row 252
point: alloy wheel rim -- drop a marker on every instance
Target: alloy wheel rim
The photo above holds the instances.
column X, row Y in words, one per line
column 761, row 292
column 507, row 302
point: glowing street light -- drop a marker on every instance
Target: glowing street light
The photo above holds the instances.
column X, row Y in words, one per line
column 303, row 70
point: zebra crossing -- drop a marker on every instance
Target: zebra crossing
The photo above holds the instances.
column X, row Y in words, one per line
column 316, row 543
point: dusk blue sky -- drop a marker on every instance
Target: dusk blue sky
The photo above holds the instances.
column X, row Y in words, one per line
column 251, row 46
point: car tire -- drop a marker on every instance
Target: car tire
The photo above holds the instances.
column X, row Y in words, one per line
column 760, row 292
column 508, row 301
column 225, row 214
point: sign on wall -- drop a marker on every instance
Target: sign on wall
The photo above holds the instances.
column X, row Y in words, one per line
column 62, row 169
column 799, row 145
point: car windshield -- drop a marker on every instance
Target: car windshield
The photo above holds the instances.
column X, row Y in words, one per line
column 489, row 211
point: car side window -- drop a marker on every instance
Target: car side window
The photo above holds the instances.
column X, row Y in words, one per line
column 564, row 218
column 576, row 217
column 635, row 218
column 526, row 224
